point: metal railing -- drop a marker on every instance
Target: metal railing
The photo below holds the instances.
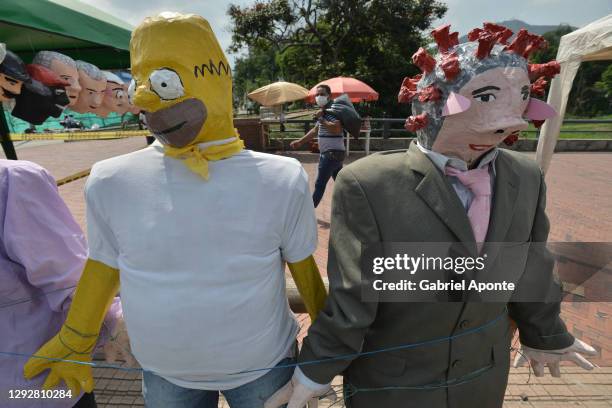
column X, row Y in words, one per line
column 394, row 127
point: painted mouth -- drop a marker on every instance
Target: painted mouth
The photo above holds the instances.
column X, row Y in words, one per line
column 173, row 128
column 178, row 125
column 72, row 96
column 8, row 94
column 93, row 107
column 480, row 147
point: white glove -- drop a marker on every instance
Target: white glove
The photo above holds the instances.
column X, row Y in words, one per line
column 300, row 391
column 118, row 345
column 552, row 358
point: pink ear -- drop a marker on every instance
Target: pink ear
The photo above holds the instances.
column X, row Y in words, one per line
column 539, row 110
column 455, row 103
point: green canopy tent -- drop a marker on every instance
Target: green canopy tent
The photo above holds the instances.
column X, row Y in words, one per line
column 67, row 26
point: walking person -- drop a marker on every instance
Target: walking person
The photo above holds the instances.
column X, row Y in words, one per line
column 330, row 133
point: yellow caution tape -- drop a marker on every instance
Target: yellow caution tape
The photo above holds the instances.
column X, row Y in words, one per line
column 113, row 134
column 73, row 177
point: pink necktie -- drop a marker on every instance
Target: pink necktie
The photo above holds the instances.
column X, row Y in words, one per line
column 479, row 183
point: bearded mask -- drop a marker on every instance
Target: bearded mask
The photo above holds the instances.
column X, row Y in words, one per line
column 12, row 76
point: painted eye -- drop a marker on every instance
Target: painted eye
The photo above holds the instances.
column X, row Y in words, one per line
column 130, row 92
column 120, row 94
column 166, row 84
column 485, row 97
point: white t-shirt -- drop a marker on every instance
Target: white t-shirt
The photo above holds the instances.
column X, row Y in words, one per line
column 202, row 273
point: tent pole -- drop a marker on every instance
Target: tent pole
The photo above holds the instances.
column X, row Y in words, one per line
column 5, row 139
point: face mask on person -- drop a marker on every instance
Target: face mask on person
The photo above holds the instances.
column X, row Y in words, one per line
column 321, row 100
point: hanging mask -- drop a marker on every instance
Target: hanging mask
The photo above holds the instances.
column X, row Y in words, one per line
column 57, row 85
column 35, row 103
column 64, row 67
column 93, row 86
column 115, row 97
column 12, row 76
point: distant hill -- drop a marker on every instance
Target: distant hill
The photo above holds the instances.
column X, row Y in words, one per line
column 516, row 25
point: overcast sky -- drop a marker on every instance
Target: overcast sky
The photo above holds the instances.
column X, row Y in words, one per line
column 462, row 14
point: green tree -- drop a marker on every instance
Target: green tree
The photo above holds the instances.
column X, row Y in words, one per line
column 553, row 38
column 253, row 70
column 313, row 40
column 606, row 81
column 586, row 98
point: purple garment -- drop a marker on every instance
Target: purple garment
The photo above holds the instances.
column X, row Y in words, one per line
column 42, row 254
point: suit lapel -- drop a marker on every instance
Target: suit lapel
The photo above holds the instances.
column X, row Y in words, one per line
column 439, row 195
column 504, row 204
column 504, row 199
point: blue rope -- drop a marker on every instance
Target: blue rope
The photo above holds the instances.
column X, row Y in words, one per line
column 321, row 361
column 394, row 348
column 91, row 364
column 24, row 300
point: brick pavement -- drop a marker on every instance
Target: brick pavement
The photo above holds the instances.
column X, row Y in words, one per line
column 579, row 206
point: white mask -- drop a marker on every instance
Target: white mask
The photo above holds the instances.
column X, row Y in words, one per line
column 321, row 100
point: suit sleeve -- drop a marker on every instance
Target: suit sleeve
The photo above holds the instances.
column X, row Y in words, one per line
column 539, row 323
column 341, row 326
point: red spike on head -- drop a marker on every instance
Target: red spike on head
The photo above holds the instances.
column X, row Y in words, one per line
column 510, row 140
column 474, row 34
column 486, row 41
column 429, row 93
column 408, row 90
column 454, row 38
column 450, row 65
column 502, row 33
column 548, row 70
column 441, row 36
column 414, row 123
column 520, row 42
column 538, row 88
column 423, row 60
column 536, row 42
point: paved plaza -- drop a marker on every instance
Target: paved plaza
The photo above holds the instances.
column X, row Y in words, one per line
column 579, row 208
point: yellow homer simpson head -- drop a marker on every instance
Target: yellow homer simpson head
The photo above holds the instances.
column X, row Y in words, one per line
column 182, row 80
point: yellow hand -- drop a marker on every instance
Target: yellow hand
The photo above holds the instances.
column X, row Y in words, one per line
column 79, row 334
column 76, row 376
column 310, row 285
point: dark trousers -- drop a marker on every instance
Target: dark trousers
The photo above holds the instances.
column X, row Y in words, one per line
column 86, row 401
column 330, row 163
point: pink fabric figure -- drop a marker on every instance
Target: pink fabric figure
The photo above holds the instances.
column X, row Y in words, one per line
column 42, row 256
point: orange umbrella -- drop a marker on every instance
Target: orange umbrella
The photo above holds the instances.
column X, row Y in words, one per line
column 356, row 90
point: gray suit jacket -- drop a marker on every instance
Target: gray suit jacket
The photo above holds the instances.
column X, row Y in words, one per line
column 401, row 196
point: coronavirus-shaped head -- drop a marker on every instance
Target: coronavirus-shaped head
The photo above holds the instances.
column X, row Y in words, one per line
column 472, row 96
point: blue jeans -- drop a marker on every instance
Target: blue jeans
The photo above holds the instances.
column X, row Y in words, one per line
column 159, row 393
column 328, row 167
